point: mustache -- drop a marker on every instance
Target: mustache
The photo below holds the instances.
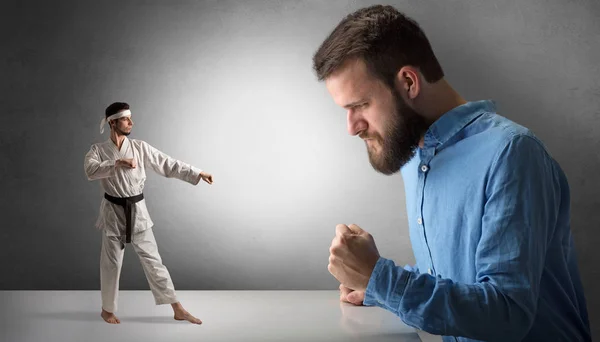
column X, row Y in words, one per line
column 364, row 135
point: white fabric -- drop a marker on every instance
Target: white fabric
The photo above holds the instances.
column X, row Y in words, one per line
column 118, row 115
column 99, row 164
column 111, row 262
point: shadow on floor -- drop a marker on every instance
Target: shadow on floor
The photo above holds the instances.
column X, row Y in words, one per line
column 89, row 316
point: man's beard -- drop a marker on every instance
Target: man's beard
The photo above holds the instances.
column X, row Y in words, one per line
column 119, row 131
column 401, row 139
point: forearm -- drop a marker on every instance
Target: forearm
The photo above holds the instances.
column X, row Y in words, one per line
column 182, row 171
column 169, row 167
column 172, row 168
column 98, row 170
column 442, row 307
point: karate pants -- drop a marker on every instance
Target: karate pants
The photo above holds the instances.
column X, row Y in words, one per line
column 111, row 261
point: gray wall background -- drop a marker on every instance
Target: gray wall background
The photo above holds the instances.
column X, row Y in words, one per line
column 228, row 87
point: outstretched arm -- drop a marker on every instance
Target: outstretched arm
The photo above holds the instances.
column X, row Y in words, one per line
column 169, row 167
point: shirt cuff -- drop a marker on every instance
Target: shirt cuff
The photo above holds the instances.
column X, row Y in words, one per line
column 195, row 175
column 386, row 285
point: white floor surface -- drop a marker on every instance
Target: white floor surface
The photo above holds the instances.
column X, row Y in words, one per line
column 57, row 316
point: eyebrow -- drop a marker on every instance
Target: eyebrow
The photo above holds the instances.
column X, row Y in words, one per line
column 355, row 103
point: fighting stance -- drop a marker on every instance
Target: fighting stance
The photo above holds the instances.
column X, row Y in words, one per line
column 120, row 164
column 488, row 207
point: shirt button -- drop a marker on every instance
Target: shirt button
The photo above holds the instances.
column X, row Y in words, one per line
column 420, row 220
column 424, row 168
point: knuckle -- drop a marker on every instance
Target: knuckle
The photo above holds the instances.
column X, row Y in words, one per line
column 334, row 250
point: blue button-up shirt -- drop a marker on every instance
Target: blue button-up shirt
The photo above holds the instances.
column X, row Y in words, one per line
column 489, row 223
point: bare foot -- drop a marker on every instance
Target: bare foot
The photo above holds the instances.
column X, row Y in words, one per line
column 182, row 315
column 110, row 317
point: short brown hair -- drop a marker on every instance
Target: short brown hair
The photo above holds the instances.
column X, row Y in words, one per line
column 115, row 107
column 384, row 38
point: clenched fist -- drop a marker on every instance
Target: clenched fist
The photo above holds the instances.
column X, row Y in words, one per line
column 129, row 163
column 352, row 257
column 207, row 177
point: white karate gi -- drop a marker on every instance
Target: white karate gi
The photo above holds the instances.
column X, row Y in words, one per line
column 126, row 182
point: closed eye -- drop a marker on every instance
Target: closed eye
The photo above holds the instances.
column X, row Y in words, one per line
column 355, row 106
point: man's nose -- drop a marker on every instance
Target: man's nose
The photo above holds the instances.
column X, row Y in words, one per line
column 355, row 122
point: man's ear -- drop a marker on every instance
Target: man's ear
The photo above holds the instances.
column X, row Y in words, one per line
column 409, row 81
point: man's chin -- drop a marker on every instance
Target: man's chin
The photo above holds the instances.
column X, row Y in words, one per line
column 383, row 169
column 382, row 166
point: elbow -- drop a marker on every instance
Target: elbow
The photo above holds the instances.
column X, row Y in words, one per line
column 506, row 317
column 89, row 173
column 518, row 320
column 513, row 326
column 512, row 330
column 521, row 324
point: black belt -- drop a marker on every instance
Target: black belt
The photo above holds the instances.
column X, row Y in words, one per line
column 127, row 203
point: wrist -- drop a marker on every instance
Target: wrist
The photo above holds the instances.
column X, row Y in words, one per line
column 371, row 292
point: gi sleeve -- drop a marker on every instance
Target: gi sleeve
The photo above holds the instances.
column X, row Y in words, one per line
column 95, row 167
column 169, row 167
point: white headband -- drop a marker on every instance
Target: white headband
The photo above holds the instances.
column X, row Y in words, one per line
column 120, row 114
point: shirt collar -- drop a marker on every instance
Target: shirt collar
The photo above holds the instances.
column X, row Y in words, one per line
column 455, row 120
column 124, row 146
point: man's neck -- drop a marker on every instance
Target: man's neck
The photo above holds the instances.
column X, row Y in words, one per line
column 439, row 99
column 117, row 139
